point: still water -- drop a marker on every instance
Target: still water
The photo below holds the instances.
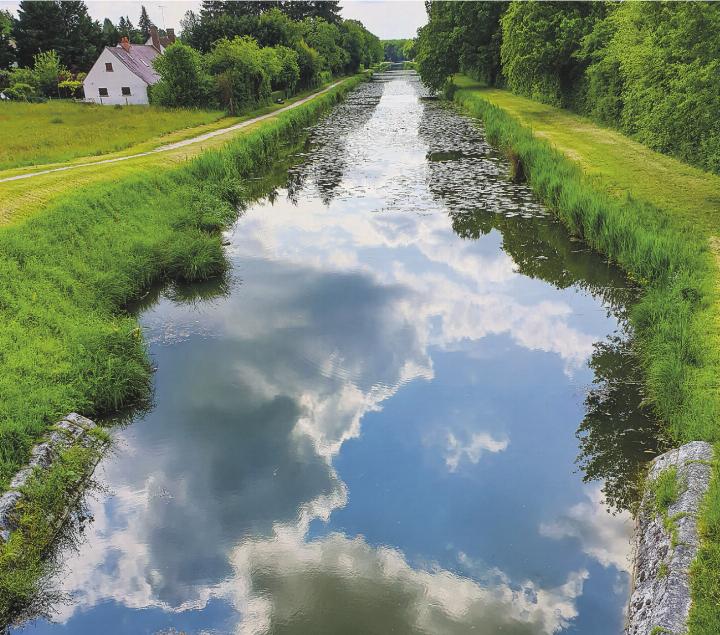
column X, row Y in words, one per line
column 411, row 407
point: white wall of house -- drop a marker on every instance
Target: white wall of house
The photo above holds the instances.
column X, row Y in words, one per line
column 114, row 81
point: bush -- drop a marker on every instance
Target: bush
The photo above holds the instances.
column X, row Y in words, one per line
column 183, row 80
column 240, row 74
column 47, row 70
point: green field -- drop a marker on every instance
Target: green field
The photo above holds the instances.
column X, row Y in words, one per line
column 659, row 219
column 59, row 131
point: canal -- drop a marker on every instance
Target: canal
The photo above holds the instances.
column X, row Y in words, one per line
column 410, row 407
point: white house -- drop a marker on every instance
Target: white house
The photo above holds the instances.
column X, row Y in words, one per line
column 122, row 73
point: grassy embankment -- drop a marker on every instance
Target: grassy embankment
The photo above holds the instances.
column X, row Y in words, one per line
column 66, row 275
column 59, row 131
column 659, row 219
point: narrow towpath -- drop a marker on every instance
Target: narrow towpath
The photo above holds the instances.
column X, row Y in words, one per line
column 177, row 144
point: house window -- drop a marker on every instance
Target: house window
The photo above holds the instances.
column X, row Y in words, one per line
column 102, row 92
column 108, row 67
column 126, row 90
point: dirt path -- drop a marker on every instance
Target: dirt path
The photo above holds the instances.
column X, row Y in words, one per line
column 177, row 144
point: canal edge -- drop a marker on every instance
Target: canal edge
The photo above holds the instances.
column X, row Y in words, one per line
column 74, row 430
column 667, row 540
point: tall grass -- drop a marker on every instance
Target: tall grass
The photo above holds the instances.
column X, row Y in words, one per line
column 66, row 276
column 34, row 134
column 674, row 316
column 676, row 319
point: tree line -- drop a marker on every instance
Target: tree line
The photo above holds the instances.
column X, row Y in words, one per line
column 66, row 28
column 649, row 69
column 232, row 54
column 48, row 48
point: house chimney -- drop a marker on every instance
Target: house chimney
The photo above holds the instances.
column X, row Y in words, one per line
column 155, row 37
column 170, row 35
column 125, row 43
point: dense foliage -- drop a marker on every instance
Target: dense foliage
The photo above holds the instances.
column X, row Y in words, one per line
column 260, row 51
column 460, row 36
column 323, row 41
column 7, row 50
column 46, row 78
column 64, row 27
column 399, row 50
column 647, row 68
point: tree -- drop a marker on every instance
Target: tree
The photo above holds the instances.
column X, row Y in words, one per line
column 540, row 41
column 362, row 47
column 23, row 84
column 7, row 51
column 297, row 10
column 654, row 71
column 285, row 69
column 70, row 87
column 437, row 57
column 327, row 40
column 393, row 50
column 183, row 80
column 126, row 29
column 110, row 33
column 241, row 79
column 310, row 64
column 459, row 36
column 31, row 31
column 47, row 70
column 217, row 22
column 410, row 49
column 188, row 25
column 64, row 27
column 276, row 28
column 328, row 10
column 144, row 23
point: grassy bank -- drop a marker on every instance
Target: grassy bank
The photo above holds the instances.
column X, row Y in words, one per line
column 658, row 219
column 22, row 198
column 59, row 131
column 65, row 276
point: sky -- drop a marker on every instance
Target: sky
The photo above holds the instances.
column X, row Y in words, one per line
column 385, row 18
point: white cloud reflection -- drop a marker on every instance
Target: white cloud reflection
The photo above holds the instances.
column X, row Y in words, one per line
column 604, row 537
column 471, row 451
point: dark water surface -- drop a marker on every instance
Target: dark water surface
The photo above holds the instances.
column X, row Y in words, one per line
column 397, row 415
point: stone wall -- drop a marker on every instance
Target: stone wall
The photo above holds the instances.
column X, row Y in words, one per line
column 660, row 601
column 72, row 430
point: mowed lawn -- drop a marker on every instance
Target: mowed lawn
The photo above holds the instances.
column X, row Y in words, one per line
column 59, row 131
